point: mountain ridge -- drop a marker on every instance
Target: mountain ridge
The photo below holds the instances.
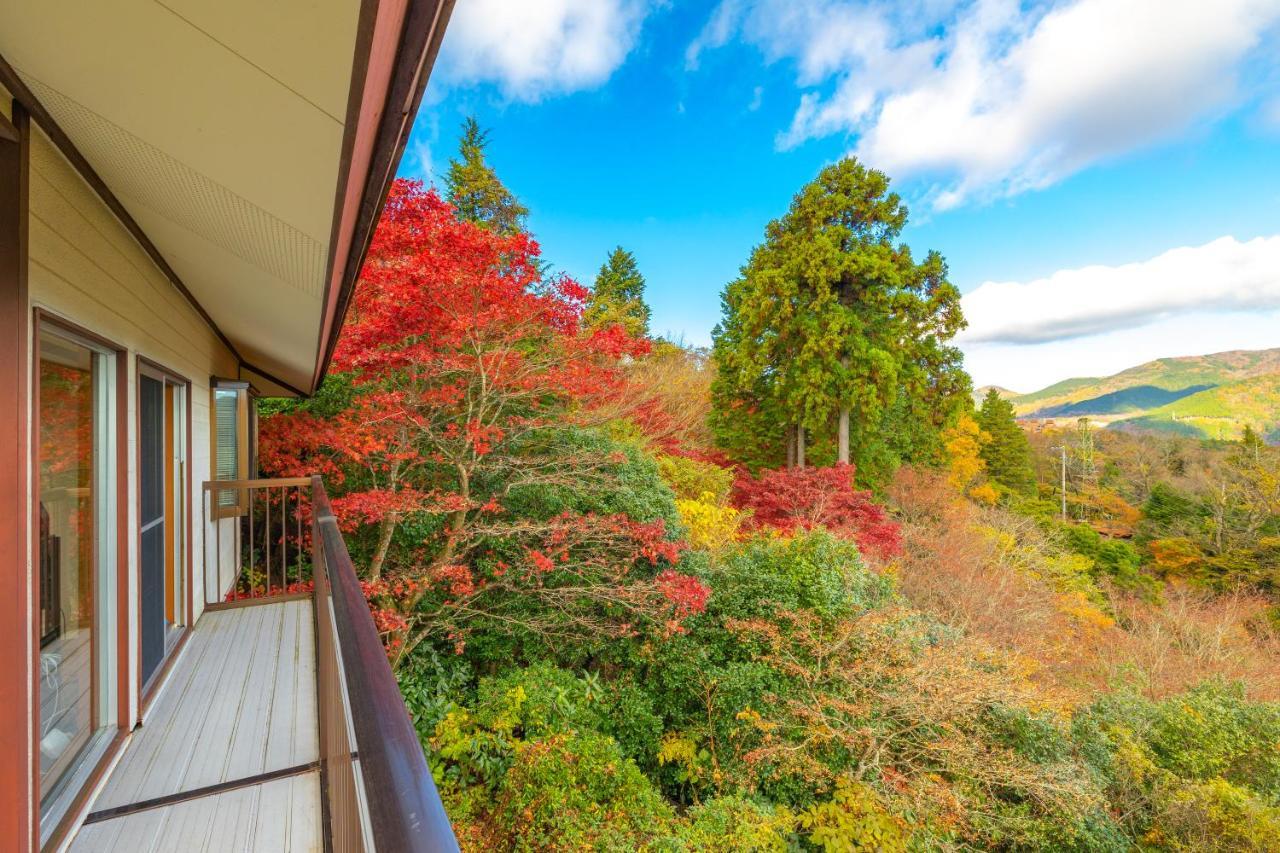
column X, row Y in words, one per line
column 1209, row 396
column 1220, row 412
column 1172, row 375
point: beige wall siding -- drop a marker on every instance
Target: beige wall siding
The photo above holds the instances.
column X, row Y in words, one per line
column 85, row 267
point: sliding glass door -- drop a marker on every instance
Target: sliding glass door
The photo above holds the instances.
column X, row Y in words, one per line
column 77, row 670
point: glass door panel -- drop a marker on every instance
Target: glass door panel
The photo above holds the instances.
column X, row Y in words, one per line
column 77, row 613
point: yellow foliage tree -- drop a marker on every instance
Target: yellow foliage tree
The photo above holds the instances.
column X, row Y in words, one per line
column 1176, row 554
column 853, row 820
column 964, row 442
column 709, row 524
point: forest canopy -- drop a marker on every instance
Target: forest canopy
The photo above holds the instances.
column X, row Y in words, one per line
column 795, row 593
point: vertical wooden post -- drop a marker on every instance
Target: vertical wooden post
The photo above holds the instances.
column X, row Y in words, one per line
column 18, row 771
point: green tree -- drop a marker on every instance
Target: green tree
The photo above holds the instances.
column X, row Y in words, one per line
column 832, row 327
column 618, row 295
column 474, row 189
column 1007, row 454
column 1251, row 443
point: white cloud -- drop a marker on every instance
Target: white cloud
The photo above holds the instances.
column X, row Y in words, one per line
column 420, row 163
column 1224, row 275
column 535, row 48
column 990, row 97
column 1097, row 320
column 1027, row 368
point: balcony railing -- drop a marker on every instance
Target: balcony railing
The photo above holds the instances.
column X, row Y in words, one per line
column 256, row 535
column 282, row 541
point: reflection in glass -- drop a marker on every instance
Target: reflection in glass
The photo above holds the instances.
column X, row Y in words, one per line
column 70, row 445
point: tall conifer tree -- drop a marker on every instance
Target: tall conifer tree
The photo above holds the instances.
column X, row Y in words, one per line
column 834, row 329
column 618, row 295
column 474, row 189
column 1008, row 453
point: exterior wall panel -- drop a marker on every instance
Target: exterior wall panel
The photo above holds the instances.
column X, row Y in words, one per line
column 84, row 267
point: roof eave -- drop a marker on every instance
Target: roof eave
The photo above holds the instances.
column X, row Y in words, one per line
column 396, row 48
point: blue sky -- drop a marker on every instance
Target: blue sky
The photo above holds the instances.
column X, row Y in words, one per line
column 1103, row 176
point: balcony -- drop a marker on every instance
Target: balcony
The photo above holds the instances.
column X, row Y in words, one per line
column 279, row 725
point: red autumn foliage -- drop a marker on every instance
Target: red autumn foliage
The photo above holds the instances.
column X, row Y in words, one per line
column 457, row 350
column 792, row 499
column 687, row 594
column 457, row 366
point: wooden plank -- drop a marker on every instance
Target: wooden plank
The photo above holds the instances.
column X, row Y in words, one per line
column 169, row 748
column 247, row 753
column 306, row 711
column 140, row 834
column 292, row 737
column 232, row 828
column 186, row 824
column 72, row 675
column 304, row 812
column 271, row 823
column 279, row 735
column 257, row 601
column 99, row 836
column 135, row 834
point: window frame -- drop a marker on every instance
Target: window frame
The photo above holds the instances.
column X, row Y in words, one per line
column 239, row 505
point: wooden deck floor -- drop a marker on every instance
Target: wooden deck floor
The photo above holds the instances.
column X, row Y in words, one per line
column 274, row 816
column 240, row 703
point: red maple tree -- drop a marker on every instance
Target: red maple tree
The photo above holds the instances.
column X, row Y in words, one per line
column 458, row 365
column 791, row 499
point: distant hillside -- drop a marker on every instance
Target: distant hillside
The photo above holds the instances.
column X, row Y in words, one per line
column 1139, row 398
column 1057, row 392
column 1220, row 412
column 979, row 393
column 1151, row 385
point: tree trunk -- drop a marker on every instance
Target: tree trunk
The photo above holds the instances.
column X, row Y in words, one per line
column 800, row 446
column 457, row 519
column 387, row 528
column 843, row 436
column 789, row 439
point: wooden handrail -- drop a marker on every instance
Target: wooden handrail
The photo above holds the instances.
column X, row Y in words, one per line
column 211, row 485
column 404, row 812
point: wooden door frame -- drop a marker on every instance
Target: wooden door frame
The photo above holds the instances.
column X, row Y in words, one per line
column 19, row 771
column 41, row 317
column 147, row 692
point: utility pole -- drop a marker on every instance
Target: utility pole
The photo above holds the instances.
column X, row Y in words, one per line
column 1063, row 449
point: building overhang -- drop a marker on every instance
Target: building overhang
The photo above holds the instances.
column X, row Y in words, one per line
column 247, row 145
